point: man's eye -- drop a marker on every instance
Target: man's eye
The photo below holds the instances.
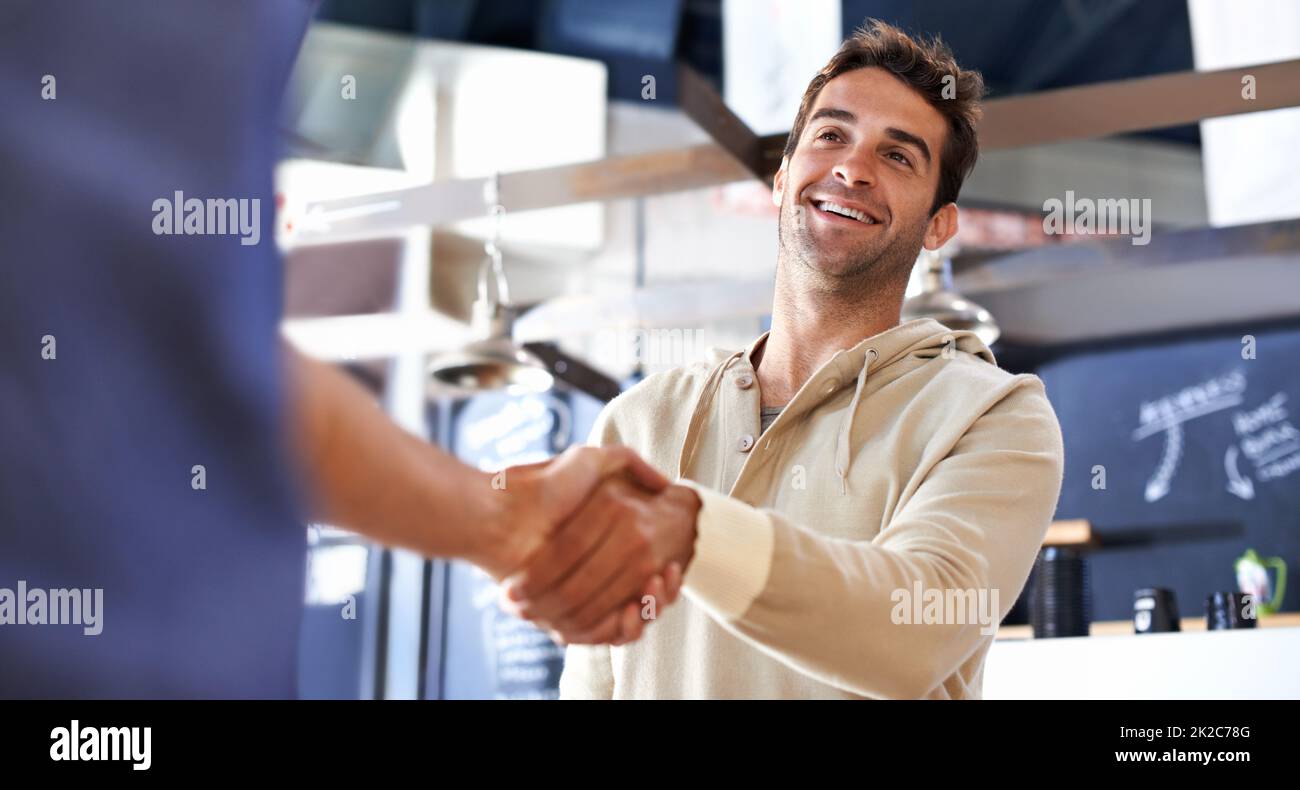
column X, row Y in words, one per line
column 826, row 134
column 901, row 158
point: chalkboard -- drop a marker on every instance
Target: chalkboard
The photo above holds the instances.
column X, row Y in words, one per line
column 1183, row 455
column 484, row 652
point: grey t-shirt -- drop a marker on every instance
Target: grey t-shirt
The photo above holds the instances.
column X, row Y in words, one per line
column 767, row 416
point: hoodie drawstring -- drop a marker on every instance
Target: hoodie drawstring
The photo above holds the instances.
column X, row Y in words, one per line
column 846, row 427
column 702, row 405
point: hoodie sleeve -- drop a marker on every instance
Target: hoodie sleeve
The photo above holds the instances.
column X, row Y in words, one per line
column 588, row 673
column 828, row 607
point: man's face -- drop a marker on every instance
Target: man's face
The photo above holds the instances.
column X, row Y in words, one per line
column 870, row 146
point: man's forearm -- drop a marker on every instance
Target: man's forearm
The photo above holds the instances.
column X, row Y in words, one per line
column 365, row 473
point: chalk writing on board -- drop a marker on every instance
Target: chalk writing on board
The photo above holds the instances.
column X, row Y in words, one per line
column 1239, row 486
column 1267, row 445
column 495, row 432
column 1168, row 414
column 1268, row 438
column 520, row 431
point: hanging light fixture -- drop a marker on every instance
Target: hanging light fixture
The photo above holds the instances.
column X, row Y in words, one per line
column 934, row 297
column 492, row 361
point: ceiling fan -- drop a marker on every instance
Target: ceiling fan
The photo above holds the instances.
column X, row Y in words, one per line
column 516, row 346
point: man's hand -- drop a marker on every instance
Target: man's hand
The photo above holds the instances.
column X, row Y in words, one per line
column 528, row 504
column 586, row 584
column 364, row 473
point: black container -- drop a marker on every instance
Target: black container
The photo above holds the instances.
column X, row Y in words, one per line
column 1155, row 610
column 1227, row 610
column 1061, row 604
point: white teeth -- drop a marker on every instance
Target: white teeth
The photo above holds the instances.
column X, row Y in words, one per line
column 844, row 211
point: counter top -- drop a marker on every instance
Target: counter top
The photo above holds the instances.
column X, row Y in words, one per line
column 1254, row 663
column 1125, row 627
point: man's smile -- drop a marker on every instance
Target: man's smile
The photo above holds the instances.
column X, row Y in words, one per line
column 843, row 213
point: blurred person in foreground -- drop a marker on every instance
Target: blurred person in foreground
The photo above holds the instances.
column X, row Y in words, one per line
column 161, row 448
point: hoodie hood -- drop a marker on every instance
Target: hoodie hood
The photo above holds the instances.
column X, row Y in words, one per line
column 875, row 357
column 924, row 337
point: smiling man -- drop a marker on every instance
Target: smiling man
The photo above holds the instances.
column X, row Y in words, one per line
column 843, row 463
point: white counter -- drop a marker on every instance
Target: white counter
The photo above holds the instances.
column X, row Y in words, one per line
column 1261, row 663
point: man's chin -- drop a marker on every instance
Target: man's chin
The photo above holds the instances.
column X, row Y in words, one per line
column 839, row 266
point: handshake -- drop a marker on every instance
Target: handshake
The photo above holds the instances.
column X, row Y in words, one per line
column 588, row 544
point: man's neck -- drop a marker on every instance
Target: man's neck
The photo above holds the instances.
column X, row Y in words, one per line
column 810, row 325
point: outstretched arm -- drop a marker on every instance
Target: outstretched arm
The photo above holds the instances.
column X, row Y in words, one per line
column 364, row 473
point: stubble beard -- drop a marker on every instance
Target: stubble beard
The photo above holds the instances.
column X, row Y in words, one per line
column 851, row 273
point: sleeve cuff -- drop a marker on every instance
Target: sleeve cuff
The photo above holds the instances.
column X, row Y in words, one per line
column 733, row 554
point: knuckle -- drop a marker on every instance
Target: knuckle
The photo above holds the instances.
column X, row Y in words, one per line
column 638, row 542
column 605, row 495
column 619, row 510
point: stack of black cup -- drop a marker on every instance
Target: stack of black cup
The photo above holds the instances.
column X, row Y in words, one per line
column 1229, row 610
column 1061, row 604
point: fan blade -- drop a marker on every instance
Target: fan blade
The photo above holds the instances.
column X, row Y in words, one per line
column 682, row 305
column 352, row 337
column 575, row 372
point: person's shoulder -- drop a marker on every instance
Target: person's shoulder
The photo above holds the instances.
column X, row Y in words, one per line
column 988, row 389
column 975, row 374
column 1028, row 394
column 1025, row 411
column 653, row 416
column 666, row 389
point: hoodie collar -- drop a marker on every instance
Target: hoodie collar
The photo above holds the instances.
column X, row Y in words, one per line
column 924, row 338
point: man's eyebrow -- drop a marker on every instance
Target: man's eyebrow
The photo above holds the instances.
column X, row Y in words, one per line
column 911, row 139
column 834, row 113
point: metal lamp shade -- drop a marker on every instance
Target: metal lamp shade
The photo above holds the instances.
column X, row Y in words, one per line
column 493, row 362
column 939, row 301
column 490, row 365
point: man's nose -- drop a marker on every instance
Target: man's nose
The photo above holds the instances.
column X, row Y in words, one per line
column 857, row 168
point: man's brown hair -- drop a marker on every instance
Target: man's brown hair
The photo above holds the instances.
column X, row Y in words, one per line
column 923, row 64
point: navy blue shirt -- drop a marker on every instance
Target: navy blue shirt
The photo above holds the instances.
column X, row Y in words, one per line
column 165, row 349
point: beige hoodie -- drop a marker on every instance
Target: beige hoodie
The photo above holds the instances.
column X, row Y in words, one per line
column 866, row 545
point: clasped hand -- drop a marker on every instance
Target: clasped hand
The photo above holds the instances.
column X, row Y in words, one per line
column 595, row 543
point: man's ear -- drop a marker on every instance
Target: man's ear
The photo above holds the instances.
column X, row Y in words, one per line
column 942, row 226
column 778, row 182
